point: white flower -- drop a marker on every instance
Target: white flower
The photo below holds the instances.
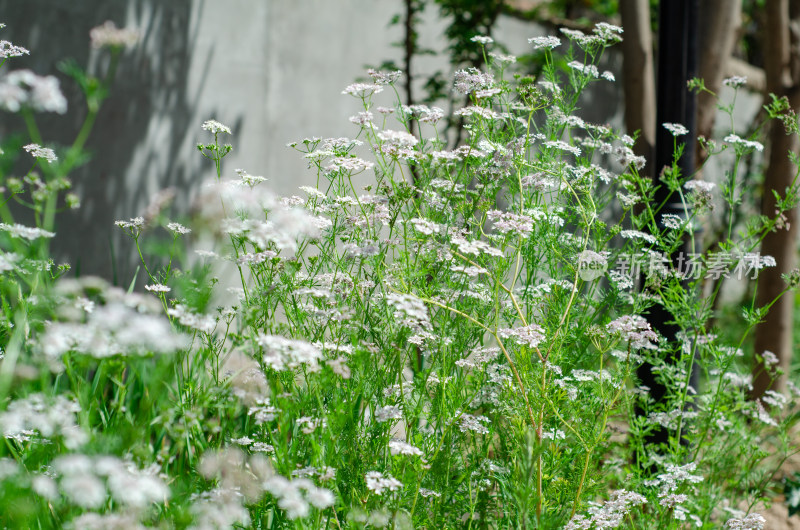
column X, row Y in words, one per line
column 503, row 58
column 38, row 151
column 387, row 413
column 23, row 88
column 635, row 329
column 377, row 482
column 84, row 490
column 294, row 504
column 320, row 498
column 585, row 69
column 429, row 493
column 398, row 138
column 281, row 353
column 754, row 521
column 178, row 229
column 473, row 423
column 399, row 447
column 482, row 40
column 363, row 119
column 549, row 42
column 45, row 487
column 671, row 221
column 735, row 81
column 747, row 144
column 215, row 127
column 250, row 180
column 362, row 89
column 384, row 78
column 471, row 79
column 157, row 288
column 134, row 225
column 110, row 36
column 676, row 129
column 636, row 234
column 531, row 335
column 25, row 232
column 563, row 146
column 10, row 50
column 608, row 76
column 770, row 359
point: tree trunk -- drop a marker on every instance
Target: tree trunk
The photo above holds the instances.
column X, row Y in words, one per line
column 638, row 78
column 720, row 20
column 775, row 333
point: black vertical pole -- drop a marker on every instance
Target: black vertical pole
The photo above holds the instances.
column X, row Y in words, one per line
column 677, row 64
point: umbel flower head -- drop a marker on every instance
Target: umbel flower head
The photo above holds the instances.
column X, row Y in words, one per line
column 634, row 329
column 108, row 35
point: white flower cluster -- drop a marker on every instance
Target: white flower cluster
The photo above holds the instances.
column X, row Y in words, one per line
column 120, row 323
column 35, row 416
column 108, row 35
column 746, row 144
column 384, row 78
column 178, row 229
column 603, row 33
column 157, row 288
column 134, row 224
column 507, row 222
column 754, row 521
column 670, row 419
column 482, row 39
column 636, row 234
column 475, row 247
column 735, row 81
column 87, row 481
column 611, row 514
column 586, row 69
column 23, row 88
column 563, row 146
column 409, row 310
column 548, row 42
column 635, row 329
column 11, row 50
column 184, row 315
column 388, row 413
column 399, row 447
column 425, row 114
column 531, row 335
column 676, row 129
column 468, row 422
column 350, row 164
column 472, row 79
column 37, row 151
column 296, row 496
column 281, row 353
column 284, row 225
column 362, row 90
column 25, row 232
column 377, row 482
column 215, row 127
column 263, row 411
column 218, row 508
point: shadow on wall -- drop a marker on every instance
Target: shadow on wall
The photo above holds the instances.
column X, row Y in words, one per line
column 150, row 96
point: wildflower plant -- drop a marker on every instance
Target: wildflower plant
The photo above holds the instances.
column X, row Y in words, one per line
column 428, row 337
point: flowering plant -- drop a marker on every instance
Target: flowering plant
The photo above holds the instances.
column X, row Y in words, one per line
column 429, row 337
